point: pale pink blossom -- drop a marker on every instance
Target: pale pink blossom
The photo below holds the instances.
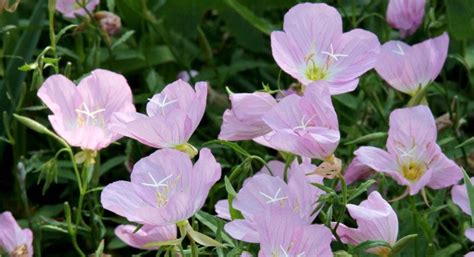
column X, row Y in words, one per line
column 411, row 68
column 357, row 171
column 412, row 158
column 165, row 188
column 13, row 239
column 284, row 234
column 312, row 47
column 81, row 114
column 376, row 220
column 145, row 235
column 303, row 125
column 244, row 120
column 264, row 191
column 73, row 8
column 172, row 116
column 405, row 15
column 461, row 199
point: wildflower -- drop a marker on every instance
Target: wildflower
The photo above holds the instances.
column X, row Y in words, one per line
column 411, row 68
column 376, row 220
column 244, row 120
column 165, row 188
column 74, row 8
column 313, row 47
column 405, row 15
column 81, row 114
column 412, row 158
column 283, row 234
column 14, row 240
column 172, row 116
column 303, row 125
column 461, row 199
column 264, row 191
column 145, row 235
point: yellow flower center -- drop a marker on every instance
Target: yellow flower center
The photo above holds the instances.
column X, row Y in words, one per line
column 413, row 171
column 383, row 251
column 313, row 72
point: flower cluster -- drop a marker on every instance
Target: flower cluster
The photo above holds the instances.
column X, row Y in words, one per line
column 277, row 207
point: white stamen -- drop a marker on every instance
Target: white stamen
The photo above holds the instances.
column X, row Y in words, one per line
column 332, row 54
column 304, row 124
column 399, row 51
column 163, row 103
column 274, row 198
column 87, row 112
column 300, row 255
column 408, row 153
column 159, row 184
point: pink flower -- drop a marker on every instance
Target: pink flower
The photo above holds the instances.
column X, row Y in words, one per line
column 405, row 15
column 283, row 234
column 71, row 8
column 313, row 47
column 302, row 125
column 412, row 158
column 357, row 171
column 376, row 220
column 264, row 191
column 469, row 233
column 244, row 120
column 81, row 114
column 14, row 240
column 411, row 68
column 173, row 116
column 469, row 254
column 460, row 197
column 145, row 235
column 222, row 209
column 165, row 188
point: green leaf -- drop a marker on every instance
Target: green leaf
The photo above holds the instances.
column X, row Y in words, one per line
column 259, row 23
column 27, row 67
column 237, row 148
column 201, row 238
column 361, row 189
column 402, row 243
column 470, row 193
column 229, row 188
column 368, row 138
column 362, row 247
column 165, row 243
column 100, row 249
column 64, row 30
column 460, row 18
column 122, row 39
column 211, row 222
column 467, row 142
column 449, row 250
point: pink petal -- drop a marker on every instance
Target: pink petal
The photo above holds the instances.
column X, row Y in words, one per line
column 357, row 171
column 242, row 230
column 460, row 197
column 445, row 172
column 381, row 161
column 146, row 234
column 13, row 236
column 469, row 233
column 70, row 9
column 222, row 209
column 405, row 15
column 361, row 48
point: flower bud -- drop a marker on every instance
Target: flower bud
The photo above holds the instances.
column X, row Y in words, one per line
column 109, row 22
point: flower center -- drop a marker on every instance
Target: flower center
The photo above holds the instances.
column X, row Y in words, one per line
column 282, row 252
column 162, row 189
column 313, row 72
column 87, row 117
column 304, row 123
column 275, row 198
column 162, row 103
column 332, row 54
column 413, row 170
column 20, row 251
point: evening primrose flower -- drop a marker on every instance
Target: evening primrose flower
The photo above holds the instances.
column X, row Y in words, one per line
column 283, row 234
column 244, row 120
column 412, row 158
column 172, row 116
column 165, row 188
column 405, row 15
column 73, row 8
column 461, row 199
column 313, row 47
column 376, row 220
column 264, row 191
column 411, row 68
column 145, row 235
column 13, row 239
column 303, row 125
column 81, row 114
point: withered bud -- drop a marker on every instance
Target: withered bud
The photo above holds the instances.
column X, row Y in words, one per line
column 5, row 5
column 109, row 22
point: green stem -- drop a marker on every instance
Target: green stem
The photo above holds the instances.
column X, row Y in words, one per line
column 415, row 221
